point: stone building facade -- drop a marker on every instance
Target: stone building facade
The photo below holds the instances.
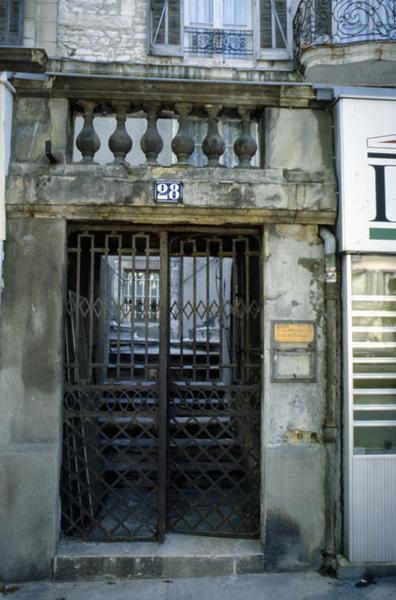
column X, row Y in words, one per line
column 169, row 334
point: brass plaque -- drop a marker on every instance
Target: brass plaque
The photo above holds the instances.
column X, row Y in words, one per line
column 300, row 333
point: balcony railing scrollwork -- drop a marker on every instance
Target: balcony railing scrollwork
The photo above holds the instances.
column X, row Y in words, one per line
column 321, row 22
column 210, row 42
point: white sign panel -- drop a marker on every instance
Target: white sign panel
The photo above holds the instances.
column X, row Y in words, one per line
column 366, row 158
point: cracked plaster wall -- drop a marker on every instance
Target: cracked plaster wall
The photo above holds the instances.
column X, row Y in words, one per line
column 293, row 412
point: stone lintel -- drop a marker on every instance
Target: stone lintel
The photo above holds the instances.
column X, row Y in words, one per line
column 171, row 90
column 157, row 215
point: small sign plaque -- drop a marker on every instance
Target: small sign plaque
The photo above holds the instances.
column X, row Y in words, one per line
column 294, row 333
column 293, row 351
column 168, row 192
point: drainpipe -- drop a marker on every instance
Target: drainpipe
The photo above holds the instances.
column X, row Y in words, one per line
column 330, row 423
column 6, row 93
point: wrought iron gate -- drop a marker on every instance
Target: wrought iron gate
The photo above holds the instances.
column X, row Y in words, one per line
column 162, row 390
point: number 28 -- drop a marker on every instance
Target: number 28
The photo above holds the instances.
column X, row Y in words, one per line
column 168, row 191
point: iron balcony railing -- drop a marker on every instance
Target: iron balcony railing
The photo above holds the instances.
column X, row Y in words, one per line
column 320, row 22
column 210, row 42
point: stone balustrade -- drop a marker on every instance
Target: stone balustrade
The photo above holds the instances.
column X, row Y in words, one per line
column 241, row 147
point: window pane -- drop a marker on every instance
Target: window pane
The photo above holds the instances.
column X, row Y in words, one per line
column 374, row 415
column 174, row 22
column 235, row 13
column 11, row 25
column 375, row 440
column 374, row 352
column 201, row 12
column 165, row 23
column 273, row 23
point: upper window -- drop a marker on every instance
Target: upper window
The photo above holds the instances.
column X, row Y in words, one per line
column 11, row 22
column 239, row 29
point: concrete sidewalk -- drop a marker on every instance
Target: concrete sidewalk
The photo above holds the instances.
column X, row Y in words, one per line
column 287, row 586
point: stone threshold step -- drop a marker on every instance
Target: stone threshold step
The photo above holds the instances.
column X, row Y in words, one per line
column 350, row 570
column 179, row 556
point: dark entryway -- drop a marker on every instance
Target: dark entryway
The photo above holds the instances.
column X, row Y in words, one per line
column 162, row 388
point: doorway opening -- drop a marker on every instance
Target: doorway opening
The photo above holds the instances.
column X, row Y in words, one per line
column 162, row 383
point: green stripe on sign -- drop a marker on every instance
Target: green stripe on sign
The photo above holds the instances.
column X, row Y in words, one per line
column 382, row 234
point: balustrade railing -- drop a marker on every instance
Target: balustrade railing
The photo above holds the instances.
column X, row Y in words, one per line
column 211, row 42
column 320, row 22
column 184, row 134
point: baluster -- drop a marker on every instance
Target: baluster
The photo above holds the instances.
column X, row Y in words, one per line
column 245, row 146
column 151, row 142
column 213, row 144
column 120, row 142
column 87, row 141
column 183, row 143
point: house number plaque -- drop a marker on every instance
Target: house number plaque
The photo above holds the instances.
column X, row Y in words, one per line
column 168, row 192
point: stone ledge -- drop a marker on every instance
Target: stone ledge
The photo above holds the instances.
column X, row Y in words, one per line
column 204, row 189
column 179, row 556
column 23, row 59
column 357, row 63
column 157, row 215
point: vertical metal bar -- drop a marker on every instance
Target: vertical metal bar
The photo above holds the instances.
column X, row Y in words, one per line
column 235, row 315
column 194, row 362
column 133, row 306
column 146, row 306
column 91, row 300
column 77, row 323
column 222, row 311
column 207, row 333
column 119, row 275
column 247, row 341
column 105, row 333
column 181, row 308
column 163, row 386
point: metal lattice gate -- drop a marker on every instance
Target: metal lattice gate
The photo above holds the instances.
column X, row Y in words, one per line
column 162, row 390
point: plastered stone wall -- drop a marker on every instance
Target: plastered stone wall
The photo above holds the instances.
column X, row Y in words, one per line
column 36, row 121
column 31, row 396
column 103, row 30
column 117, row 30
column 298, row 139
column 293, row 412
column 40, row 25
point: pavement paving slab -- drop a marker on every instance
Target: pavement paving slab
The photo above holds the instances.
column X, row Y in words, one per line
column 284, row 586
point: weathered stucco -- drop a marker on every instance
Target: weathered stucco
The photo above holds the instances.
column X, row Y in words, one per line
column 293, row 412
column 30, row 392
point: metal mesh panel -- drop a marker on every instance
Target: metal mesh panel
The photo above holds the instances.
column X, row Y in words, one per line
column 162, row 391
column 110, row 482
column 214, row 368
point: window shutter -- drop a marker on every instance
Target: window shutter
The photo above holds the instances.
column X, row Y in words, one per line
column 165, row 24
column 11, row 22
column 273, row 24
column 174, row 21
